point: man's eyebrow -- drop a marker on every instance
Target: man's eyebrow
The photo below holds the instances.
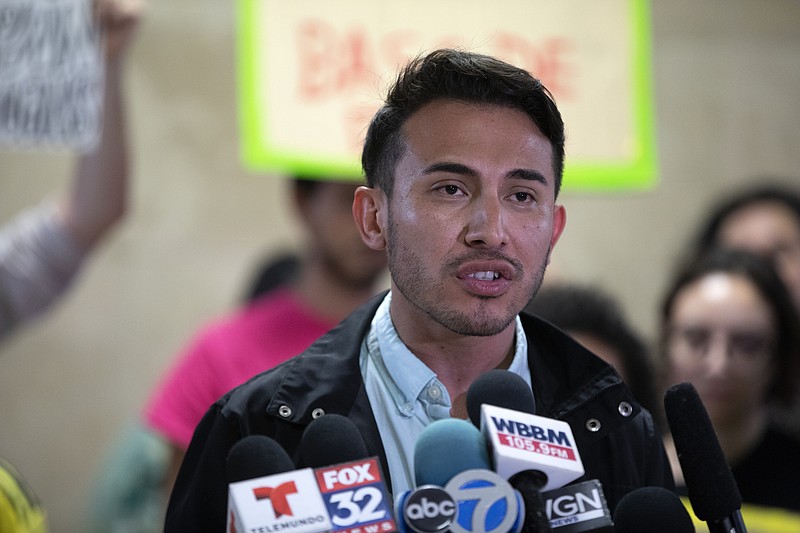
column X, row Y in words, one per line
column 528, row 174
column 450, row 168
column 458, row 168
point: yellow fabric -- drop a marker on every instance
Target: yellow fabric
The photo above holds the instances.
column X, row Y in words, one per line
column 20, row 511
column 758, row 519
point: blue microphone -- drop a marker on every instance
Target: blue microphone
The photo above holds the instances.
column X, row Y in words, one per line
column 456, row 490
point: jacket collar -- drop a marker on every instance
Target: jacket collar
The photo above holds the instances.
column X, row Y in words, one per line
column 572, row 384
column 326, row 378
column 569, row 382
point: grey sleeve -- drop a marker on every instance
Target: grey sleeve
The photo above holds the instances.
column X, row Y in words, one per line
column 38, row 261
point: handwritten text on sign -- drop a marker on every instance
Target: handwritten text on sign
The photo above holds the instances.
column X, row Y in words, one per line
column 313, row 72
column 50, row 74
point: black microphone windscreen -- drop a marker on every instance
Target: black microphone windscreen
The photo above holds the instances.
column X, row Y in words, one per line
column 331, row 439
column 710, row 485
column 256, row 456
column 652, row 510
column 500, row 388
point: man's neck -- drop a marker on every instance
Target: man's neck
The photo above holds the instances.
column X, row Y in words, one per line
column 330, row 296
column 457, row 360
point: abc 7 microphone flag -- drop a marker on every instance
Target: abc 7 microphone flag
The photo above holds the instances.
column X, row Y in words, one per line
column 473, row 501
column 345, row 498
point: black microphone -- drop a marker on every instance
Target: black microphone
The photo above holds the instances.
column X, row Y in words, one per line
column 253, row 458
column 652, row 510
column 712, row 490
column 350, row 482
column 500, row 388
column 256, row 456
column 331, row 439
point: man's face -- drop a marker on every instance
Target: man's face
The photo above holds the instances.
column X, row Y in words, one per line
column 472, row 218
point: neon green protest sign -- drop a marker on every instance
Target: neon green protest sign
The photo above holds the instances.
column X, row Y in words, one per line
column 312, row 74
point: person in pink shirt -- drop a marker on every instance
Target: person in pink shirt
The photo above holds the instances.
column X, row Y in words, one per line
column 226, row 353
column 335, row 272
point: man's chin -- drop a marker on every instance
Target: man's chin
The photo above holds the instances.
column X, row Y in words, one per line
column 470, row 327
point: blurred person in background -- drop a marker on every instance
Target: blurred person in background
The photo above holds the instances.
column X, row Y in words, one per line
column 728, row 326
column 43, row 248
column 272, row 271
column 764, row 219
column 596, row 320
column 293, row 300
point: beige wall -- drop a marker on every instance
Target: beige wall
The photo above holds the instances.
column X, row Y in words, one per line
column 727, row 80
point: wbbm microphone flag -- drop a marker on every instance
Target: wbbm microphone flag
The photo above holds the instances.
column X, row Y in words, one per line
column 346, row 498
column 522, row 441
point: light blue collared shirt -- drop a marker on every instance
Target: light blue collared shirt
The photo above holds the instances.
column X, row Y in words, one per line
column 406, row 395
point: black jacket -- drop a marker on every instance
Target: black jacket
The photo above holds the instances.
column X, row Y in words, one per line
column 617, row 440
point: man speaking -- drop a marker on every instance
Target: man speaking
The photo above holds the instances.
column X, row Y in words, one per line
column 463, row 164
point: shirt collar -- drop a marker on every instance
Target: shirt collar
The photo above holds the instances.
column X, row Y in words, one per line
column 408, row 379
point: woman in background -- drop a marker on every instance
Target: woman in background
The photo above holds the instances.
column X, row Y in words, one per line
column 729, row 327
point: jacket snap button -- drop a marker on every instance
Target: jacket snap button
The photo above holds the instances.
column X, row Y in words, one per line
column 285, row 411
column 625, row 409
column 318, row 412
column 593, row 425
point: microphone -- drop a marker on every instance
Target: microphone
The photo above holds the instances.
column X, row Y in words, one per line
column 500, row 388
column 712, row 490
column 578, row 508
column 350, row 482
column 652, row 510
column 264, row 491
column 520, row 441
column 331, row 439
column 534, row 453
column 456, row 491
column 267, row 494
column 445, row 448
column 256, row 456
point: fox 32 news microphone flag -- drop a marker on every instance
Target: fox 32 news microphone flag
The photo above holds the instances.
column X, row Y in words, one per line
column 345, row 498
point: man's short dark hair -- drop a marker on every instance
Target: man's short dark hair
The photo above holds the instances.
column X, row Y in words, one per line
column 459, row 76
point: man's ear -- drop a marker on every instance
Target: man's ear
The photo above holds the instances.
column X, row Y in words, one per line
column 370, row 213
column 559, row 223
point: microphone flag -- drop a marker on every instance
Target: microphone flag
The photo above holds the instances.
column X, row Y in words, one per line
column 521, row 441
column 349, row 497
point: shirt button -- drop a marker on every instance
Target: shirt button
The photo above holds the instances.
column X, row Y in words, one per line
column 593, row 425
column 285, row 411
column 318, row 412
column 434, row 392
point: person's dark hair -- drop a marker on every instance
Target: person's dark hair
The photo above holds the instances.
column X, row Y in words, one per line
column 590, row 310
column 461, row 76
column 275, row 271
column 305, row 186
column 760, row 272
column 271, row 273
column 708, row 235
